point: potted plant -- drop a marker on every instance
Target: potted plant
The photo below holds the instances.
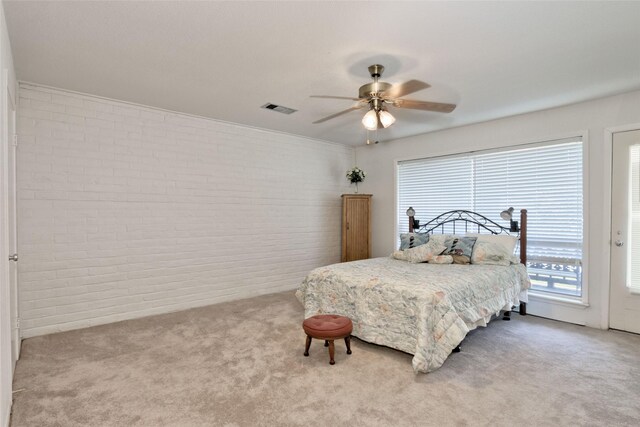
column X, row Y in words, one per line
column 356, row 175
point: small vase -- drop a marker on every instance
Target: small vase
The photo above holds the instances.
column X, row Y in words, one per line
column 356, row 188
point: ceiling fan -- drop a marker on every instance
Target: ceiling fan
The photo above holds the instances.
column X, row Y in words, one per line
column 377, row 96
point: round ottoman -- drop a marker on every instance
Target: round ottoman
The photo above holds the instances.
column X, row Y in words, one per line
column 328, row 327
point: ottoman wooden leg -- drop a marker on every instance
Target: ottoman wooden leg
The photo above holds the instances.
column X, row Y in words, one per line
column 306, row 347
column 326, row 343
column 347, row 342
column 331, row 353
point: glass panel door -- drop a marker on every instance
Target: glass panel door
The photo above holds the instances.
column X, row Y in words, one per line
column 624, row 294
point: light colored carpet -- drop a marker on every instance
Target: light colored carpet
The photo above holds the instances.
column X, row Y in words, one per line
column 241, row 364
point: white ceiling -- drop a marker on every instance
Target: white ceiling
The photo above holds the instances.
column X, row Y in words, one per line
column 225, row 59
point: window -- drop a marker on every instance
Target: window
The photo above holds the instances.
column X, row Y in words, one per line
column 545, row 179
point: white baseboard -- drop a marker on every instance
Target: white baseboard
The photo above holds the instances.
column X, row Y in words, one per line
column 556, row 311
column 7, row 416
column 87, row 323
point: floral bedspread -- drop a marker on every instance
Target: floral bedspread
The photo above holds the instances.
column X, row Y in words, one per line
column 422, row 309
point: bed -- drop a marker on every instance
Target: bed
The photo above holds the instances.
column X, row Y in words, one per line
column 423, row 309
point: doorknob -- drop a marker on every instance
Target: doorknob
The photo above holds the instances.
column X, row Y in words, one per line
column 13, row 257
column 619, row 243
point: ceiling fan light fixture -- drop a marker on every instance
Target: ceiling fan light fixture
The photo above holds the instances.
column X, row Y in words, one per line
column 370, row 120
column 386, row 118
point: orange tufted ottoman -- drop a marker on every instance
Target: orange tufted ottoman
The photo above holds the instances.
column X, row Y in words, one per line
column 328, row 327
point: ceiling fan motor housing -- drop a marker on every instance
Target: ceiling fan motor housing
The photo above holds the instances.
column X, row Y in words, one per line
column 373, row 89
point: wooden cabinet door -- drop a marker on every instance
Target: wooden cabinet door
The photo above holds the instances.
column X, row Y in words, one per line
column 356, row 229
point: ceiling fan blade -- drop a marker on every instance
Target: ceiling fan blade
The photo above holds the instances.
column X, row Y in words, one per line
column 424, row 105
column 406, row 88
column 333, row 116
column 337, row 97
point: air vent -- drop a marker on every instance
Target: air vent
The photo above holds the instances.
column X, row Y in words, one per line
column 278, row 108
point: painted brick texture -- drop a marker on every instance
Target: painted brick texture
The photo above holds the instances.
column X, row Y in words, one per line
column 126, row 211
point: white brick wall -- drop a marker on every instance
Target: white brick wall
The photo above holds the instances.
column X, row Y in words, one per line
column 127, row 211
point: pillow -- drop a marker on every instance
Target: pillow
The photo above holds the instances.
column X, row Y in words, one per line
column 418, row 239
column 460, row 248
column 440, row 238
column 490, row 253
column 422, row 253
column 509, row 242
column 441, row 259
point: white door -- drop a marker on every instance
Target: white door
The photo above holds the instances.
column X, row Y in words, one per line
column 624, row 298
column 13, row 229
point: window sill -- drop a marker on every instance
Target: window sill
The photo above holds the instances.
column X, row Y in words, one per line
column 557, row 299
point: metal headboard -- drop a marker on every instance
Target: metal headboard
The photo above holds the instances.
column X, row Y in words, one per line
column 473, row 222
column 466, row 222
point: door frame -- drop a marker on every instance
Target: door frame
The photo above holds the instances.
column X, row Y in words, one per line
column 10, row 118
column 606, row 235
column 6, row 368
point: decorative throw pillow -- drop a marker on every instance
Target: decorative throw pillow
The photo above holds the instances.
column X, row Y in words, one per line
column 441, row 259
column 460, row 248
column 412, row 240
column 424, row 253
column 490, row 253
column 441, row 238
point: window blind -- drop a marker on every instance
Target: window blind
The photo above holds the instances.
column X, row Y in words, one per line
column 546, row 179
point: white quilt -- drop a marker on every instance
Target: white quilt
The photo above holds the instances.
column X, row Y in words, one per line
column 422, row 309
